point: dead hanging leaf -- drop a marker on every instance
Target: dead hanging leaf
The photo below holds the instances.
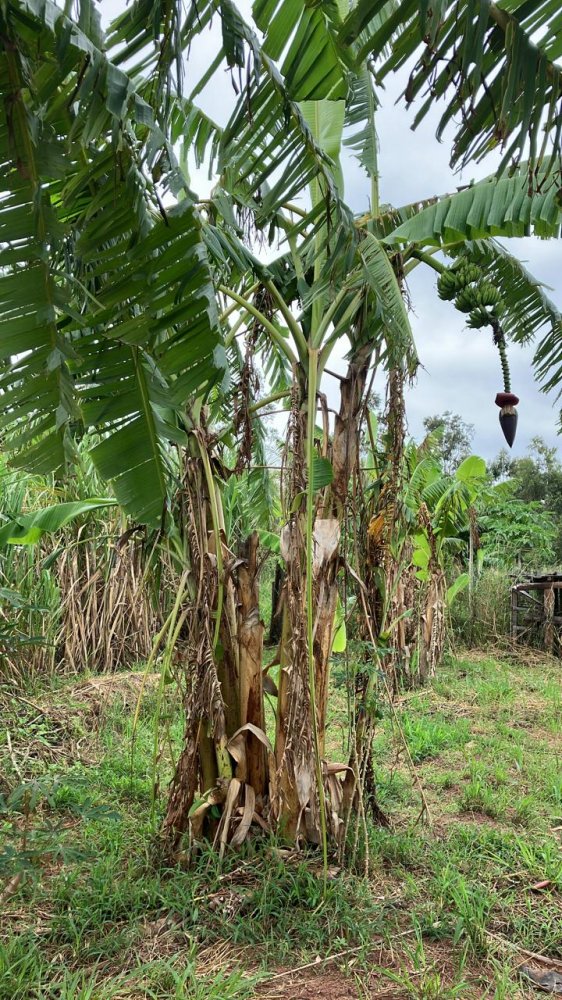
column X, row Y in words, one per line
column 332, row 767
column 257, row 732
column 376, row 527
column 227, row 554
column 285, row 542
column 235, row 742
column 232, row 794
column 349, row 787
column 326, row 540
column 272, row 663
column 349, row 569
column 247, row 815
column 335, row 800
column 261, row 822
column 211, row 798
column 303, row 782
column 230, row 567
column 214, row 797
column 341, row 792
column 269, row 685
column 237, row 747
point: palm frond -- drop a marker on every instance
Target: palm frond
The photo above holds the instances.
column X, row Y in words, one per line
column 148, row 38
column 361, row 135
column 38, row 380
column 108, row 319
column 269, row 157
column 503, row 206
column 304, row 37
column 195, row 132
column 494, row 62
column 390, row 307
column 155, row 345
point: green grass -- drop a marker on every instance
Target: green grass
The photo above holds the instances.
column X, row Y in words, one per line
column 98, row 916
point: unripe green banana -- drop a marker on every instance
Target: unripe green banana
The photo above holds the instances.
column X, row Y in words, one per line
column 479, row 318
column 447, row 286
column 467, row 299
column 466, row 273
column 488, row 294
column 461, row 276
column 472, row 273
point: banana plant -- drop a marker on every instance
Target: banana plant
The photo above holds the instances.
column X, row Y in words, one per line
column 124, row 297
column 299, row 324
column 412, row 519
column 448, row 500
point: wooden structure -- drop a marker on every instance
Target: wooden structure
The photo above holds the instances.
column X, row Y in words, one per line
column 536, row 612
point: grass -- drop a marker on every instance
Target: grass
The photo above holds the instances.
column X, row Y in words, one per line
column 97, row 916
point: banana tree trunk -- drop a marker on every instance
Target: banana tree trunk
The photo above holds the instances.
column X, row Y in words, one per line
column 225, row 760
column 223, row 676
column 297, row 805
column 250, row 640
column 433, row 625
column 276, row 618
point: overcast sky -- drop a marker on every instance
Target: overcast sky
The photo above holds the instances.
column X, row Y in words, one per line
column 461, row 370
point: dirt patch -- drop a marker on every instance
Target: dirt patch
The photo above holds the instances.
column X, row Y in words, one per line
column 307, row 985
column 368, row 980
column 546, row 741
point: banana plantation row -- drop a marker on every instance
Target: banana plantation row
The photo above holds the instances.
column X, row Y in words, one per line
column 145, row 331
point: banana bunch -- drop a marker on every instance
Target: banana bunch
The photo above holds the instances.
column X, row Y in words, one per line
column 455, row 278
column 488, row 295
column 478, row 318
column 465, row 284
column 467, row 299
column 447, row 286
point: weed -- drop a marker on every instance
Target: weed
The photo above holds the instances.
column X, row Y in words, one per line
column 525, row 812
column 481, row 798
column 420, row 978
column 446, row 781
column 502, row 974
column 20, row 968
column 81, row 986
column 429, row 737
column 166, row 982
column 555, row 790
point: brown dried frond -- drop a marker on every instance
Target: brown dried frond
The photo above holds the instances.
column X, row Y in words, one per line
column 244, row 394
column 293, row 453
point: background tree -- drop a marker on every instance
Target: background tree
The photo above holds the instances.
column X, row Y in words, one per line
column 514, row 533
column 535, row 479
column 453, row 439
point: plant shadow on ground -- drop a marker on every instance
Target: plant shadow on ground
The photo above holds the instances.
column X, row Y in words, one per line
column 444, row 910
